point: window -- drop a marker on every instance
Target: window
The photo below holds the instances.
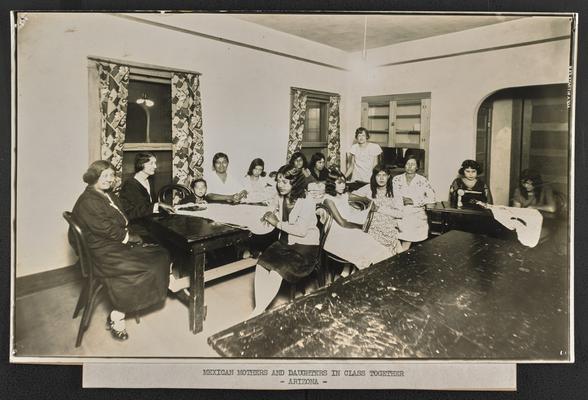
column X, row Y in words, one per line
column 316, row 125
column 399, row 123
column 149, row 123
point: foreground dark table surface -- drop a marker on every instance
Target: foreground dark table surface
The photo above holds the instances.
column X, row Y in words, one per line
column 458, row 296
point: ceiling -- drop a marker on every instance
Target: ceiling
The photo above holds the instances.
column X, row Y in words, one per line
column 346, row 32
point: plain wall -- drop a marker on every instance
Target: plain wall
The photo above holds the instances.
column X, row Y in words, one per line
column 245, row 107
column 501, row 143
column 459, row 83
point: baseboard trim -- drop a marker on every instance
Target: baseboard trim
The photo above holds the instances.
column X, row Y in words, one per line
column 34, row 283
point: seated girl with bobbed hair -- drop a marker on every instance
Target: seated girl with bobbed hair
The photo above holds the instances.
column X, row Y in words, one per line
column 469, row 190
column 258, row 186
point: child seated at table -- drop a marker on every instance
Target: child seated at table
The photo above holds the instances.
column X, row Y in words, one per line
column 197, row 197
column 258, row 186
column 346, row 239
column 532, row 192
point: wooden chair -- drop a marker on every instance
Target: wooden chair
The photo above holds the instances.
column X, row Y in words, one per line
column 319, row 272
column 328, row 271
column 92, row 284
column 173, row 193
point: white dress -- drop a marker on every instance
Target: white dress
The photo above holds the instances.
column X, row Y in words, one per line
column 414, row 226
column 364, row 160
column 353, row 245
column 258, row 190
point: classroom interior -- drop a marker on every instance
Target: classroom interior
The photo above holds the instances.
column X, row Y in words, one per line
column 493, row 88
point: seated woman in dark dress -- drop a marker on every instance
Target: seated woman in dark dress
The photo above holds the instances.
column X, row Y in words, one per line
column 317, row 167
column 292, row 257
column 135, row 277
column 469, row 190
column 299, row 161
column 137, row 194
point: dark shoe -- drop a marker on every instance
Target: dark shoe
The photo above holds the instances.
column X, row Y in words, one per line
column 116, row 334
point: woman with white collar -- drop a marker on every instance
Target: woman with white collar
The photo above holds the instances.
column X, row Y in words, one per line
column 137, row 194
column 293, row 256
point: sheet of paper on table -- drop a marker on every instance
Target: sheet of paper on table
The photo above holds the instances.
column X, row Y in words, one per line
column 245, row 215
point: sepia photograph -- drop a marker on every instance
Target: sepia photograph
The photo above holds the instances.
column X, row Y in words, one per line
column 306, row 186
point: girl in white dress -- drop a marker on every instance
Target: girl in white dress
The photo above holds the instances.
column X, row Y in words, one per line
column 259, row 188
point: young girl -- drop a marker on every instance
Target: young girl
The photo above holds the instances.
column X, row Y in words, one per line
column 533, row 193
column 256, row 184
column 469, row 189
column 317, row 167
column 346, row 238
column 415, row 192
column 363, row 156
column 293, row 256
column 318, row 173
column 386, row 209
column 299, row 161
column 199, row 188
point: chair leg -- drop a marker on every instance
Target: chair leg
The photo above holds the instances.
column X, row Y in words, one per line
column 137, row 319
column 87, row 314
column 81, row 300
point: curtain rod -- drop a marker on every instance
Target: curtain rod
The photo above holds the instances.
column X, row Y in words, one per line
column 140, row 65
column 310, row 91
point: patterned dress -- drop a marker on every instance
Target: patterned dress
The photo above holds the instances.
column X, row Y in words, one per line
column 384, row 225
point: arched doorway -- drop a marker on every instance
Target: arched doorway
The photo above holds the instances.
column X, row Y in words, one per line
column 521, row 128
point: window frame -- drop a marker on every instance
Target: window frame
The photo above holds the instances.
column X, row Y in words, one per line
column 323, row 101
column 143, row 74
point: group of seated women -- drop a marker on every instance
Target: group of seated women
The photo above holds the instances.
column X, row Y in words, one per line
column 137, row 276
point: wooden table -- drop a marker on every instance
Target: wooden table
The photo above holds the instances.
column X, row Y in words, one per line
column 458, row 296
column 444, row 218
column 188, row 239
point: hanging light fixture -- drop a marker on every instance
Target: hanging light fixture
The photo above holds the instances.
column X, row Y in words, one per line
column 144, row 100
column 364, row 52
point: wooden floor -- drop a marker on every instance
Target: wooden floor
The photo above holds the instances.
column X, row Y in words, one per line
column 44, row 326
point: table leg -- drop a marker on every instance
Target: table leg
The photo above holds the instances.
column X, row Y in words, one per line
column 196, row 301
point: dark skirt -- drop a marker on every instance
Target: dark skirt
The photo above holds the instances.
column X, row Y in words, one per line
column 135, row 277
column 293, row 262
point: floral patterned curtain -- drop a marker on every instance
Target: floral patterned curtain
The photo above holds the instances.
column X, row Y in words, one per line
column 113, row 92
column 334, row 133
column 297, row 117
column 187, row 136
